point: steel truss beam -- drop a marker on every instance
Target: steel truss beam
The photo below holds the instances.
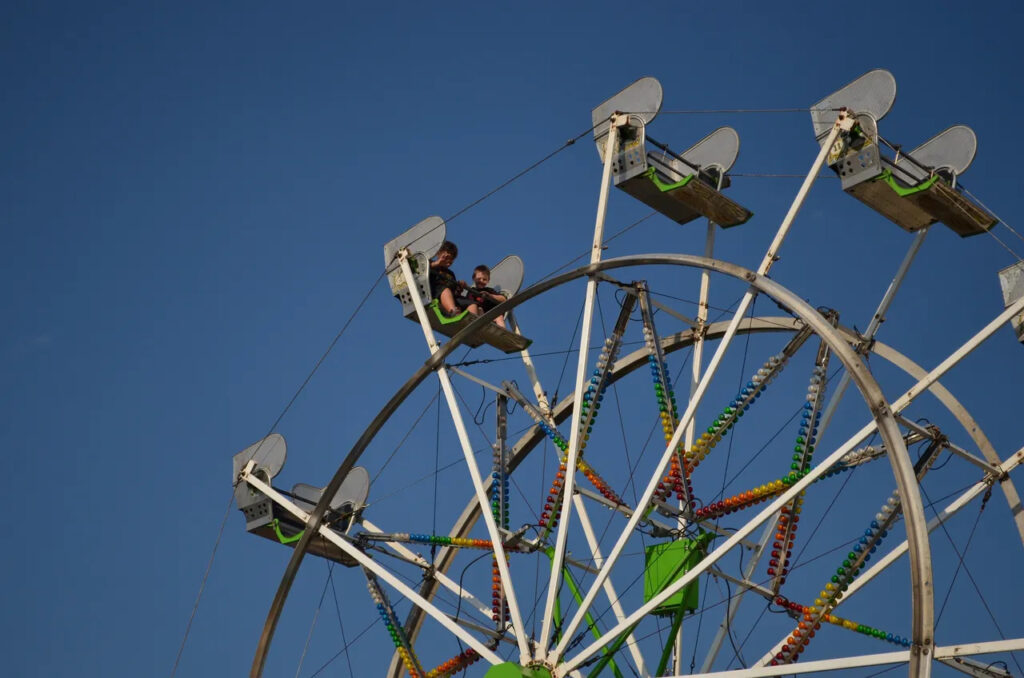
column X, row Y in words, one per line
column 901, row 657
column 673, row 342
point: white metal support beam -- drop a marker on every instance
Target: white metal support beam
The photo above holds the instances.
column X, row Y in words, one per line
column 900, row 657
column 441, row 577
column 691, row 408
column 697, row 363
column 876, row 321
column 582, row 365
column 892, row 556
column 374, row 567
column 973, row 667
column 613, row 597
column 474, row 471
column 897, row 406
column 945, row 514
column 531, row 371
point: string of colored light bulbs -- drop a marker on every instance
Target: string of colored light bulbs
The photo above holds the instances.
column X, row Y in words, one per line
column 725, row 420
column 763, row 493
column 440, row 540
column 398, row 637
column 832, row 593
column 499, row 509
column 678, row 477
column 851, row 566
column 454, row 665
column 806, row 613
column 599, row 483
column 590, row 404
column 728, row 417
column 789, row 515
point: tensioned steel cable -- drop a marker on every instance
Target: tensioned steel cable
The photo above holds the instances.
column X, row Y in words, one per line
column 316, row 615
column 625, row 447
column 568, row 352
column 718, row 111
column 516, row 176
column 777, row 433
column 1011, row 229
column 962, row 564
column 273, row 427
column 607, row 240
column 341, row 624
column 344, row 649
column 721, row 492
column 544, row 354
column 401, row 442
column 524, row 172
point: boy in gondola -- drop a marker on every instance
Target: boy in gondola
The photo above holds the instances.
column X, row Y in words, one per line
column 483, row 296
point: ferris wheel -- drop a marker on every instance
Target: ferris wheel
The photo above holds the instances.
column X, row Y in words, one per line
column 690, row 462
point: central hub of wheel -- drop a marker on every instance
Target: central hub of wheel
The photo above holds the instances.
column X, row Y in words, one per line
column 513, row 670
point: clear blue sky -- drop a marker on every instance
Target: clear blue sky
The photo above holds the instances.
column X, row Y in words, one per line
column 195, row 197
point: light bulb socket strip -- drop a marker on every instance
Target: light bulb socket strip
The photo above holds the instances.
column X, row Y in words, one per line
column 678, row 478
column 398, row 637
column 590, row 403
column 851, row 566
column 803, row 451
column 442, row 540
column 809, row 624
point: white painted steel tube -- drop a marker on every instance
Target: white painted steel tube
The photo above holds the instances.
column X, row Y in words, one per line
column 691, row 407
column 474, row 469
column 734, row 604
column 531, row 372
column 949, row 511
column 899, row 657
column 901, row 403
column 445, row 580
column 377, row 569
column 876, row 321
column 582, row 368
column 609, row 589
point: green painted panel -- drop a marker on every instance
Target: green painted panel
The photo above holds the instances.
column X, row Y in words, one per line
column 512, row 670
column 666, row 563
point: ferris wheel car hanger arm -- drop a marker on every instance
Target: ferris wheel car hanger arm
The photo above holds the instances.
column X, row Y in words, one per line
column 389, row 408
column 444, row 579
column 467, row 449
column 369, row 564
column 900, row 657
column 842, row 121
column 913, row 507
column 616, row 122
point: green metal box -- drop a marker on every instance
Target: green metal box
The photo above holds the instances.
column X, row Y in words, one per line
column 668, row 562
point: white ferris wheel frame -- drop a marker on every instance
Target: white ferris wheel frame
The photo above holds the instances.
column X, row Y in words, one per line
column 883, row 422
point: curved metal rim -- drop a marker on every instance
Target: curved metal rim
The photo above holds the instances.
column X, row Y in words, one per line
column 916, row 525
column 670, row 344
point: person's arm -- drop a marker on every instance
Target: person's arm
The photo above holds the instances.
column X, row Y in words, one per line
column 499, row 298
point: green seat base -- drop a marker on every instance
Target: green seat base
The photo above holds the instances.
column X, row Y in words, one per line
column 490, row 334
column 288, row 533
column 914, row 207
column 686, row 200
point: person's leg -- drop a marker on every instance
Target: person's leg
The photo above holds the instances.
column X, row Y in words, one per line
column 487, row 306
column 447, row 301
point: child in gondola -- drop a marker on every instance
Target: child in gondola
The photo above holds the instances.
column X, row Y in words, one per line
column 482, row 295
column 445, row 287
